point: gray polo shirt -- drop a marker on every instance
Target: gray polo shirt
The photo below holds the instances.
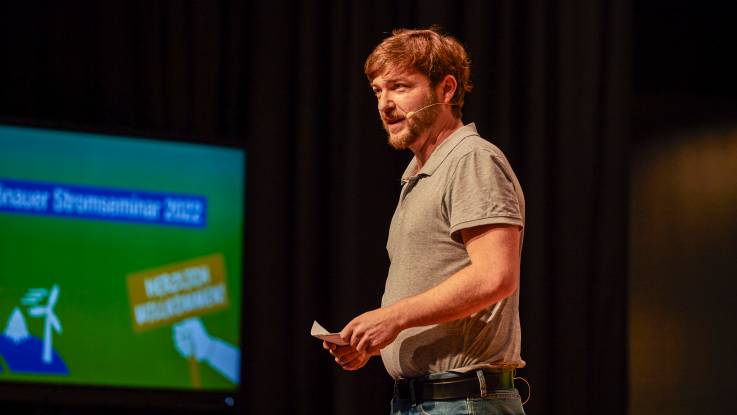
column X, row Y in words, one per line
column 466, row 182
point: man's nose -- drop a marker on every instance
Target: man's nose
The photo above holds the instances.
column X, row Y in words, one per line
column 385, row 102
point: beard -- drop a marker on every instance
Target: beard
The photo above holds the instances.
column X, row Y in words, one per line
column 414, row 126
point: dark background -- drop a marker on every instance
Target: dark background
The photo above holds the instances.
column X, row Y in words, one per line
column 569, row 90
column 683, row 193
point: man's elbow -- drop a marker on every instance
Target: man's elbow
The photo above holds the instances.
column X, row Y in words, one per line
column 504, row 284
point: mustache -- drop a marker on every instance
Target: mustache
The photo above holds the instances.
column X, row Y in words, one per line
column 395, row 115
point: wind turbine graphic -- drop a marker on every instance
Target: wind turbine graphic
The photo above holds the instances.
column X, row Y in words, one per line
column 52, row 321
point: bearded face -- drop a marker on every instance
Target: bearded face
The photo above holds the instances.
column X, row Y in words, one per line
column 400, row 91
column 403, row 132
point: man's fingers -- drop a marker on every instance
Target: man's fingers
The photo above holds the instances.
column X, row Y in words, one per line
column 328, row 346
column 347, row 333
column 351, row 365
column 341, row 351
column 355, row 339
column 355, row 364
column 363, row 345
column 346, row 358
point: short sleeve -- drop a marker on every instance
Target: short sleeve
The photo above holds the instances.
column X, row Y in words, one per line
column 481, row 191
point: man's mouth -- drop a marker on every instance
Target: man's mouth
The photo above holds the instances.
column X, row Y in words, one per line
column 393, row 121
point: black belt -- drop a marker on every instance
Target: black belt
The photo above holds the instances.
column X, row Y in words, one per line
column 469, row 385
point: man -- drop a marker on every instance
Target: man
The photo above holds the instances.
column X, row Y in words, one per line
column 448, row 328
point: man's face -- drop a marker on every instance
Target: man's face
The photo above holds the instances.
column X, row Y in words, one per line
column 399, row 92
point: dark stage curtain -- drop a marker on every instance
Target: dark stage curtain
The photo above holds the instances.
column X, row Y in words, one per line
column 285, row 81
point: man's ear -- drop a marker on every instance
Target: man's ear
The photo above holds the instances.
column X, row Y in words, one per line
column 447, row 88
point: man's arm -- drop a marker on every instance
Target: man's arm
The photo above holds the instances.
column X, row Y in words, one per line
column 492, row 276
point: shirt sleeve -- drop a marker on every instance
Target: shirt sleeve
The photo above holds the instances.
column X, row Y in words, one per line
column 481, row 191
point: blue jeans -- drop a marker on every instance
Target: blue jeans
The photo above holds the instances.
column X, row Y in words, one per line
column 496, row 402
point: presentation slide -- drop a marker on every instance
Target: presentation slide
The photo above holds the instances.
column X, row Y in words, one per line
column 120, row 261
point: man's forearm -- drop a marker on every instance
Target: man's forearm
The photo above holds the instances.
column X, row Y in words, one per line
column 492, row 276
column 469, row 290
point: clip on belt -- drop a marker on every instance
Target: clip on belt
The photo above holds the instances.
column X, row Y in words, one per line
column 472, row 385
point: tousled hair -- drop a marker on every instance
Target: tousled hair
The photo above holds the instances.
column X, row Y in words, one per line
column 427, row 51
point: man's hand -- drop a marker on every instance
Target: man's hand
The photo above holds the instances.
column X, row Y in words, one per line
column 346, row 356
column 372, row 331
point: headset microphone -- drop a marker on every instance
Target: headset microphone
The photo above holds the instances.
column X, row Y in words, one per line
column 411, row 114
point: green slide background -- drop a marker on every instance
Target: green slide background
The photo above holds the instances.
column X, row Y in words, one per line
column 90, row 259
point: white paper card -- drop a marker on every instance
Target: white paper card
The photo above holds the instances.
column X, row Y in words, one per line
column 322, row 334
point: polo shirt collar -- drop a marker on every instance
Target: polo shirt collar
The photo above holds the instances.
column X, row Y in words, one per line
column 440, row 153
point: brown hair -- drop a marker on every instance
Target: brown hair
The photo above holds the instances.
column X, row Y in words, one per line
column 428, row 51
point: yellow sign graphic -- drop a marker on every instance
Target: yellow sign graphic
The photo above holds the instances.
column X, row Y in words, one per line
column 165, row 295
